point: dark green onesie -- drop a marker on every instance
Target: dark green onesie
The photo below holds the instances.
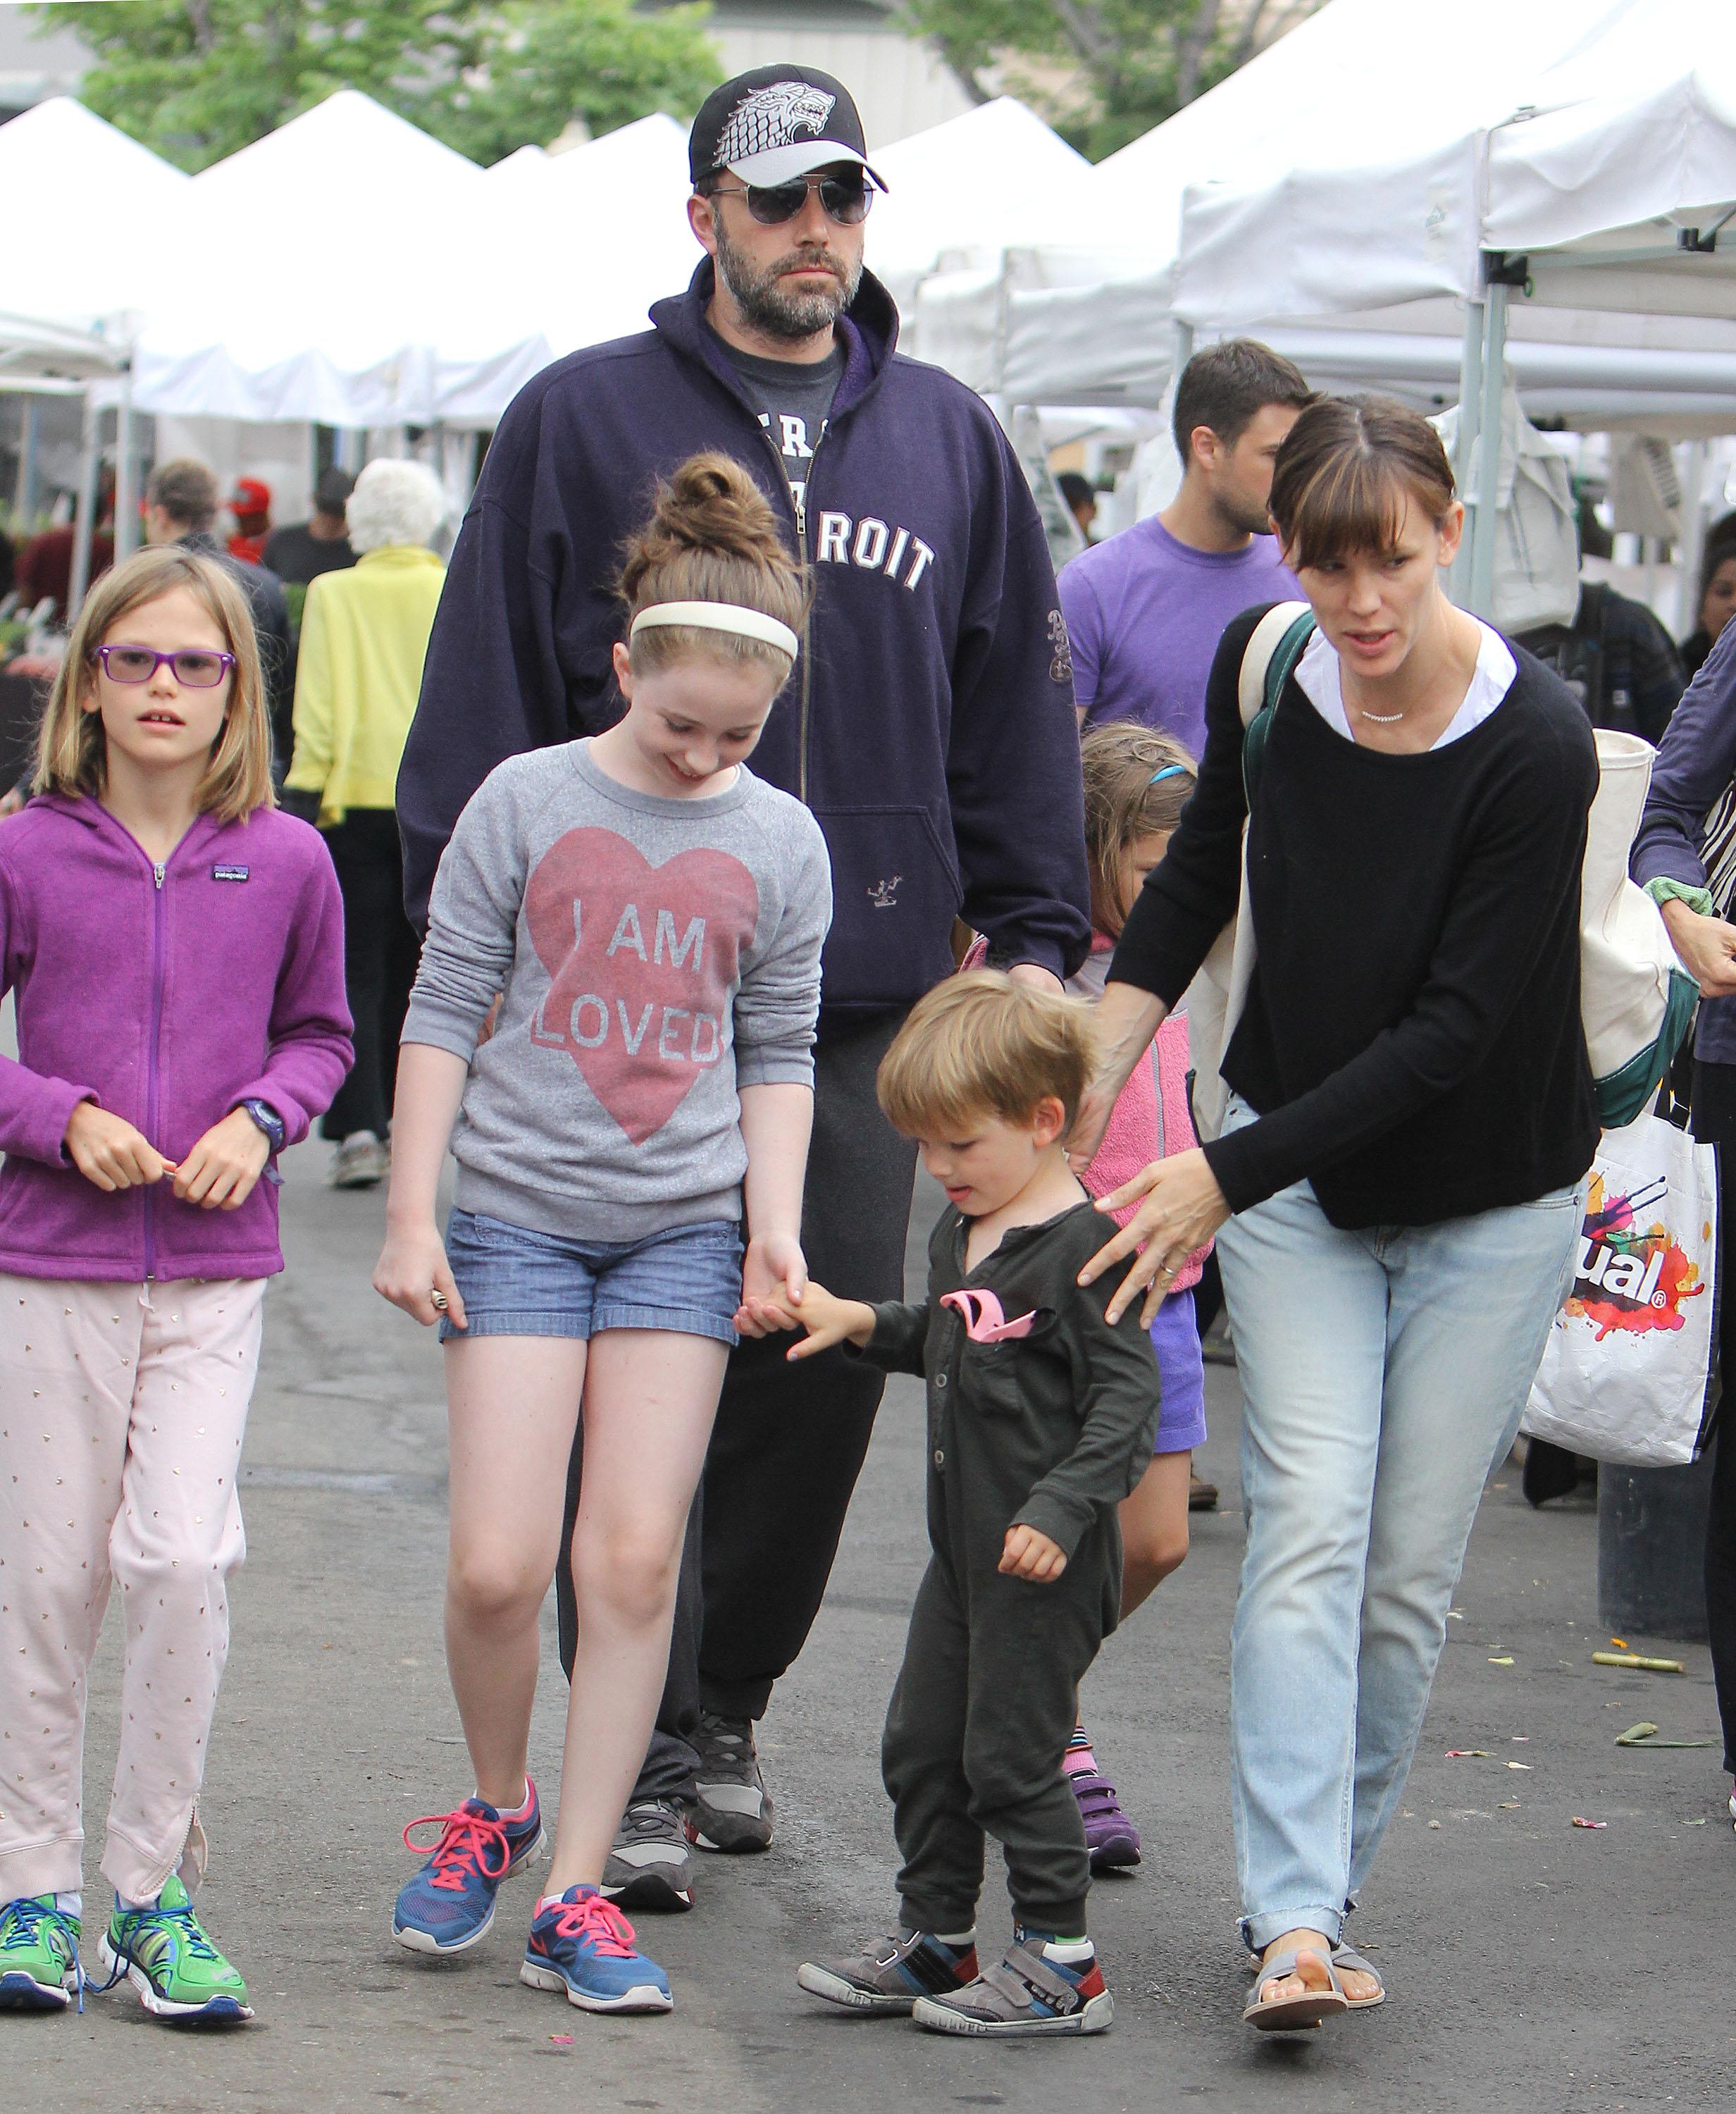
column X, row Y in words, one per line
column 1052, row 1429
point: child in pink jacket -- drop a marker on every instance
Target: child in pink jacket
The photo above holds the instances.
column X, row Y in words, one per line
column 176, row 950
column 1136, row 783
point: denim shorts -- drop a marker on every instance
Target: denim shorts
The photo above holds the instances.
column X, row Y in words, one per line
column 514, row 1282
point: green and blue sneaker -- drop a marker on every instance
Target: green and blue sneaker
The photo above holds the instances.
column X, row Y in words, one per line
column 177, row 1971
column 39, row 1968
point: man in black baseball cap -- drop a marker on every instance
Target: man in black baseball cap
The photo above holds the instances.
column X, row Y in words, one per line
column 929, row 726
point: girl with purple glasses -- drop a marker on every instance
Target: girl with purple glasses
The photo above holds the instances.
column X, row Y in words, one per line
column 175, row 951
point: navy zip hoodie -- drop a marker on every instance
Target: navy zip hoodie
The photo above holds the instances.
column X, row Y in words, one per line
column 929, row 722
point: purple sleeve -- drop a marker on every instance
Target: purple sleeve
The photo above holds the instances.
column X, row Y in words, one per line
column 34, row 1107
column 1079, row 607
column 1696, row 763
column 310, row 1028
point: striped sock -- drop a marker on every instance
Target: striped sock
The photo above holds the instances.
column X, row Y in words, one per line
column 1079, row 1760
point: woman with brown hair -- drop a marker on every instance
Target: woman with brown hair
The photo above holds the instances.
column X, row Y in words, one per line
column 1396, row 1190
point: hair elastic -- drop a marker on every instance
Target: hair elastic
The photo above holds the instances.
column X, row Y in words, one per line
column 1169, row 770
column 719, row 616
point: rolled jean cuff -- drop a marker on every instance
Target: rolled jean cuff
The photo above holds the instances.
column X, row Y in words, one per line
column 1259, row 1931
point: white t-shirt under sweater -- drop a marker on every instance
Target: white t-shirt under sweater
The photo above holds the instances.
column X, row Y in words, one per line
column 1321, row 678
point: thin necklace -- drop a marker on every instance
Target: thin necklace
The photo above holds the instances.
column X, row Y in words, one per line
column 1380, row 719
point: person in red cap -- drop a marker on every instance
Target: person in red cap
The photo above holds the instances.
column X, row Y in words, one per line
column 250, row 503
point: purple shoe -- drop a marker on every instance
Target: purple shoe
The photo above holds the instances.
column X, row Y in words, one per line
column 1110, row 1836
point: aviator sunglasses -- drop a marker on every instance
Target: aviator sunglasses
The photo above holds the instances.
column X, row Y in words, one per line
column 195, row 667
column 845, row 199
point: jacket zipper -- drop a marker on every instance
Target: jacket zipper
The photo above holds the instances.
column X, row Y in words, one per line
column 799, row 512
column 152, row 1076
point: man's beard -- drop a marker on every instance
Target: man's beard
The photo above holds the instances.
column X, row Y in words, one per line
column 780, row 311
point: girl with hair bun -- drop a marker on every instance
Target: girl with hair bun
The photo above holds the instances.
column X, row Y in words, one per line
column 648, row 916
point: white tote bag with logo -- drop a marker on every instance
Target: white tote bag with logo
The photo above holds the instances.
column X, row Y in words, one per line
column 1625, row 1375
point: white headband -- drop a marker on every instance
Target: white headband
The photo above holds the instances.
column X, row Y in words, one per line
column 719, row 616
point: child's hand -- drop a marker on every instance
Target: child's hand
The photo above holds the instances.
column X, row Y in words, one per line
column 411, row 1268
column 1026, row 1553
column 221, row 1170
column 773, row 1267
column 828, row 1319
column 107, row 1151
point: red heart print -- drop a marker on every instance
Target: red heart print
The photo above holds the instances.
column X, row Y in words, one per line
column 642, row 962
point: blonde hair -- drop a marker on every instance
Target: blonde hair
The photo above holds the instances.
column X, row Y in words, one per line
column 980, row 1045
column 1136, row 784
column 71, row 750
column 712, row 536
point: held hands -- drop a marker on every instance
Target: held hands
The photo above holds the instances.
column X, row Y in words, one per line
column 1182, row 1208
column 1705, row 948
column 828, row 1319
column 1026, row 1554
column 411, row 1268
column 770, row 1267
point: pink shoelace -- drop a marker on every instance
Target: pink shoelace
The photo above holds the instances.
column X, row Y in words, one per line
column 984, row 1320
column 466, row 1839
column 601, row 1922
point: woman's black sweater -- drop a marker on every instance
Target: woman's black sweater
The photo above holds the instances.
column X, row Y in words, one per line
column 1412, row 1040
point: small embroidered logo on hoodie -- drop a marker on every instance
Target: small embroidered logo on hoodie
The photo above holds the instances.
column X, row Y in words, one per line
column 229, row 873
column 883, row 895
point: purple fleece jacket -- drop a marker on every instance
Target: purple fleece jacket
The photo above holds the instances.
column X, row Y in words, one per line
column 168, row 995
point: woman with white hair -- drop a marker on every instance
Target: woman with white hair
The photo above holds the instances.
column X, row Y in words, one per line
column 363, row 634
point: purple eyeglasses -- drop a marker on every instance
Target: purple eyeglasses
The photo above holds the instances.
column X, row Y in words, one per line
column 195, row 667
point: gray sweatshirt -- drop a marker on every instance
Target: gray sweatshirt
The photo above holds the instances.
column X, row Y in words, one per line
column 654, row 955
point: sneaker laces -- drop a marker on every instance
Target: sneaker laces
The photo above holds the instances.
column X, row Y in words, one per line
column 466, row 1839
column 28, row 1922
column 726, row 1746
column 651, row 1820
column 596, row 1921
column 180, row 1927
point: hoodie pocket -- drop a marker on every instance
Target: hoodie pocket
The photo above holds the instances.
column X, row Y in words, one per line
column 895, row 891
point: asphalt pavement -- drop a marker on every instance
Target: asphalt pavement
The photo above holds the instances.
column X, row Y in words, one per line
column 1533, row 1965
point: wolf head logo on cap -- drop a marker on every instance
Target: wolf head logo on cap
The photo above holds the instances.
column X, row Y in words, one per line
column 772, row 117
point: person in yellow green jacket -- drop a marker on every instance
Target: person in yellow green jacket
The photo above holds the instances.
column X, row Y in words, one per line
column 364, row 632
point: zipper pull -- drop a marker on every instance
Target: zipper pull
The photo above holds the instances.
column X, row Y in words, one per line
column 157, row 870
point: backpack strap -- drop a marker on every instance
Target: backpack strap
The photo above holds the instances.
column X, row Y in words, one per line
column 1275, row 645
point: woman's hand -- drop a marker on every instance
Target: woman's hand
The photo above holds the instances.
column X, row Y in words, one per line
column 108, row 1151
column 411, row 1268
column 1705, row 946
column 220, row 1171
column 771, row 1266
column 1026, row 1554
column 1182, row 1208
column 1086, row 1137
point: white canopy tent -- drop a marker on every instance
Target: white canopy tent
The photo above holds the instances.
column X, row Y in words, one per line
column 1594, row 188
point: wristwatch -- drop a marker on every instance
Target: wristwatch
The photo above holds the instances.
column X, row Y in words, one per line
column 276, row 1131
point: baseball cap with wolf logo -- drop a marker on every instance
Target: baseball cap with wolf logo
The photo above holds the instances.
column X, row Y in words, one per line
column 774, row 123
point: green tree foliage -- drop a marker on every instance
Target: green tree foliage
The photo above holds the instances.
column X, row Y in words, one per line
column 1102, row 71
column 196, row 80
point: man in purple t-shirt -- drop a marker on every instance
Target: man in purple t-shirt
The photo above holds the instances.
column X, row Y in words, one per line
column 1145, row 609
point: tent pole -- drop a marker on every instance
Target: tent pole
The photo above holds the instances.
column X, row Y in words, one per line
column 126, row 494
column 87, row 508
column 1464, row 469
column 1488, row 452
column 24, row 502
column 1183, row 344
column 1692, row 548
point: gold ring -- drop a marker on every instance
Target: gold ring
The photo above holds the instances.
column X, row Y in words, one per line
column 439, row 1302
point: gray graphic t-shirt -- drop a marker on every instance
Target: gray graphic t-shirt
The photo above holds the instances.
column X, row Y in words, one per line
column 794, row 401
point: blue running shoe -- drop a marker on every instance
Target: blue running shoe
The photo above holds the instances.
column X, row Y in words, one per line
column 450, row 1904
column 584, row 1944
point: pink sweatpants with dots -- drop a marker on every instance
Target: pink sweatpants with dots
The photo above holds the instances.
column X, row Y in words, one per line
column 122, row 1408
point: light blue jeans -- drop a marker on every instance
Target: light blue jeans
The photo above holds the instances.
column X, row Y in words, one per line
column 1383, row 1373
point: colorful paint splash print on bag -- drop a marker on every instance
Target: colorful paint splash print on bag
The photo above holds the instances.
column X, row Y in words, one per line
column 1631, row 1274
